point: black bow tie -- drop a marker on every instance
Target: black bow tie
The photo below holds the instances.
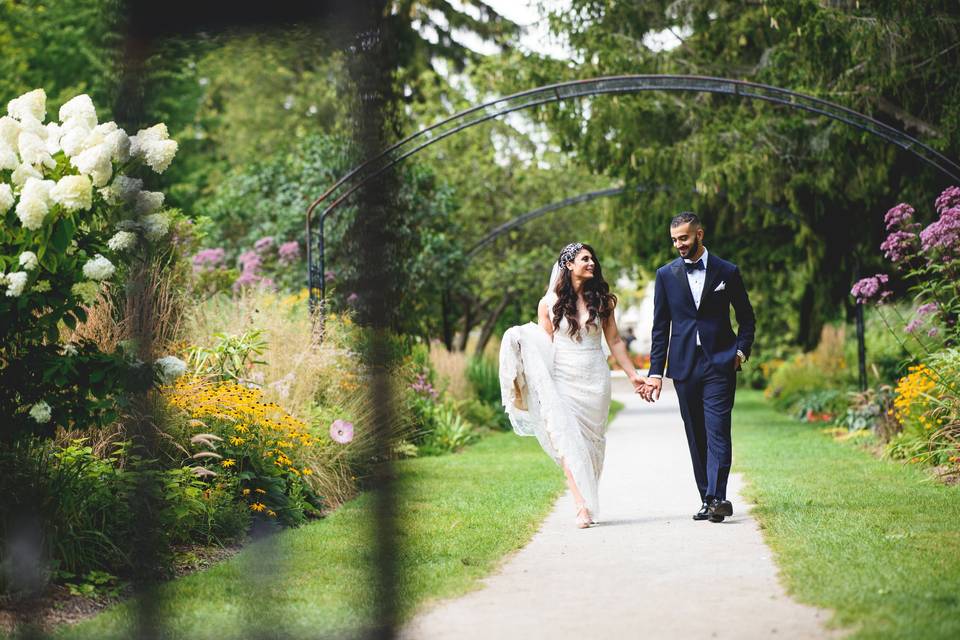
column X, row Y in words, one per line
column 695, row 266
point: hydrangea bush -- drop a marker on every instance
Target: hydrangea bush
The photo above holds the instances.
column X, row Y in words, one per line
column 75, row 215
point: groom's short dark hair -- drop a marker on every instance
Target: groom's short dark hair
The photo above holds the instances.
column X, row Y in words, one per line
column 685, row 217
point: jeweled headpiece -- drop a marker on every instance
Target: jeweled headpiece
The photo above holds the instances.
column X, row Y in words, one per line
column 569, row 253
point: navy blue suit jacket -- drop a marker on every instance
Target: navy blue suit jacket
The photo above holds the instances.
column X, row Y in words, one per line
column 676, row 319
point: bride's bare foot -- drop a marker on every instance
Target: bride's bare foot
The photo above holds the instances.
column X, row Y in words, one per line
column 583, row 517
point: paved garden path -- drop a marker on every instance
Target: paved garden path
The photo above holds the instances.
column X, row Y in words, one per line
column 648, row 571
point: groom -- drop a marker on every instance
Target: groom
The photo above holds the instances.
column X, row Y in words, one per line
column 691, row 311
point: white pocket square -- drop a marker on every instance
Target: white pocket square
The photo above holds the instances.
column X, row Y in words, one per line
column 720, row 287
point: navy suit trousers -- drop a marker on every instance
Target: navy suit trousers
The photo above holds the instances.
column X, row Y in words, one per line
column 706, row 402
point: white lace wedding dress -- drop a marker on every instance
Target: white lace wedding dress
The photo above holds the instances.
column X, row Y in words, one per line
column 559, row 391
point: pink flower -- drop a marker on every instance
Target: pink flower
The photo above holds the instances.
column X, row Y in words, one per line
column 209, row 259
column 913, row 325
column 341, row 431
column 289, row 252
column 353, row 297
column 250, row 261
column 899, row 216
column 926, row 309
column 948, row 199
column 330, row 276
column 899, row 245
column 871, row 289
column 263, row 244
column 944, row 234
column 933, row 332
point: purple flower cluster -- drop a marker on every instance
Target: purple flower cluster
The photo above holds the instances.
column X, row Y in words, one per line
column 899, row 246
column 943, row 236
column 871, row 289
column 250, row 263
column 423, row 387
column 899, row 217
column 949, row 199
column 330, row 276
column 263, row 244
column 927, row 309
column 209, row 259
column 913, row 325
column 289, row 252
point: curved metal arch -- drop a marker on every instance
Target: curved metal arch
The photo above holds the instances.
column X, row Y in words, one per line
column 559, row 92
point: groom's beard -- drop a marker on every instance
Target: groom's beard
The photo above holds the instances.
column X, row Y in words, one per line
column 693, row 250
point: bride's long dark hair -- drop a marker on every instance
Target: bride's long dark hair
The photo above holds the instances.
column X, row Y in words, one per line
column 596, row 293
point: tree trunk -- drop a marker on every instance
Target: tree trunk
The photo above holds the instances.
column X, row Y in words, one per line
column 491, row 322
column 468, row 322
column 445, row 311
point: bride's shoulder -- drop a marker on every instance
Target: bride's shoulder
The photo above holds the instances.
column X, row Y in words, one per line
column 550, row 299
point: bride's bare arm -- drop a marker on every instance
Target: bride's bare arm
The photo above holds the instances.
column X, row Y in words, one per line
column 619, row 349
column 543, row 318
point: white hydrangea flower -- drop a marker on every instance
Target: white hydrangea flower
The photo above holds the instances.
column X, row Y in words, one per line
column 8, row 157
column 122, row 190
column 148, row 202
column 34, row 202
column 95, row 162
column 73, row 193
column 170, row 368
column 122, row 241
column 29, row 124
column 33, row 150
column 23, row 173
column 41, row 412
column 16, row 282
column 33, row 103
column 6, row 197
column 54, row 133
column 155, row 226
column 73, row 140
column 79, row 110
column 98, row 268
column 69, row 349
column 9, row 131
column 154, row 146
column 28, row 260
column 119, row 144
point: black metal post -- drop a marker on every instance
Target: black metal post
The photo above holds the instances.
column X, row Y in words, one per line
column 861, row 348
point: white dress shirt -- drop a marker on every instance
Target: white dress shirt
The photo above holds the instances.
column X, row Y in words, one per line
column 696, row 279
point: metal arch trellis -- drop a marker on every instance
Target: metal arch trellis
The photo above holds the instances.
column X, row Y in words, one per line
column 373, row 167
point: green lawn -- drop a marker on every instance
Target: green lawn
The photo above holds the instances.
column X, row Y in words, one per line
column 460, row 515
column 876, row 541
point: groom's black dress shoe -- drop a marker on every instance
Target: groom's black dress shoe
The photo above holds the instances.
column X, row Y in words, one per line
column 704, row 512
column 719, row 509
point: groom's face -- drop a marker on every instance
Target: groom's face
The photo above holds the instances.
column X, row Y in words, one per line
column 687, row 239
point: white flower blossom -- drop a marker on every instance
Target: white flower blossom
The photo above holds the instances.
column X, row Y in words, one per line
column 95, row 162
column 148, row 202
column 170, row 368
column 73, row 193
column 79, row 110
column 98, row 268
column 34, row 202
column 29, row 124
column 122, row 241
column 54, row 133
column 33, row 150
column 121, row 190
column 119, row 144
column 73, row 140
column 32, row 103
column 154, row 146
column 8, row 157
column 23, row 173
column 9, row 131
column 16, row 282
column 155, row 226
column 6, row 197
column 69, row 349
column 41, row 412
column 28, row 260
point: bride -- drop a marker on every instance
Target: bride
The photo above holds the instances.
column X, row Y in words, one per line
column 554, row 378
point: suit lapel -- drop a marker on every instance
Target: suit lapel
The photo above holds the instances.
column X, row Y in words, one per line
column 681, row 273
column 713, row 270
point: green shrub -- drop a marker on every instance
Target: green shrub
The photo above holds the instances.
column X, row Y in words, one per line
column 450, row 432
column 483, row 374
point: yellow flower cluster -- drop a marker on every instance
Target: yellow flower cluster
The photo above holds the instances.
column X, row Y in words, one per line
column 258, row 428
column 912, row 397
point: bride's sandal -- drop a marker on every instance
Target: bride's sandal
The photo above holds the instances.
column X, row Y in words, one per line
column 583, row 518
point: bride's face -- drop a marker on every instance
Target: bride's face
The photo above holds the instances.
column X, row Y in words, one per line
column 583, row 266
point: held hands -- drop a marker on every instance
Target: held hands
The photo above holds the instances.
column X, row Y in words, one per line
column 648, row 388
